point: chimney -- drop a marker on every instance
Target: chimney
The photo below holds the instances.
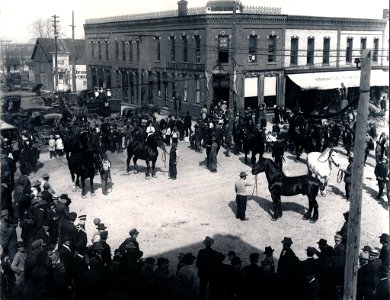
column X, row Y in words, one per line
column 182, row 8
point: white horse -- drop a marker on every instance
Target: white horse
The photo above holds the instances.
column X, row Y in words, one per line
column 320, row 166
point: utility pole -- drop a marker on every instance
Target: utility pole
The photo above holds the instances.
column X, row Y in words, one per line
column 234, row 104
column 55, row 21
column 353, row 239
column 74, row 56
column 3, row 56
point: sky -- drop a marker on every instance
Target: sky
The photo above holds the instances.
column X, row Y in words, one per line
column 16, row 16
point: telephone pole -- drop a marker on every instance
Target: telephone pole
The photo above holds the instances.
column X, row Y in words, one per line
column 355, row 208
column 73, row 56
column 55, row 21
column 4, row 44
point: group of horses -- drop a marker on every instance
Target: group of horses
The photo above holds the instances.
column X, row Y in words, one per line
column 319, row 168
column 84, row 156
column 85, row 159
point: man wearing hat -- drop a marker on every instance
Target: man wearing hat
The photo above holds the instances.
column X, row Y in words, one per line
column 269, row 258
column 105, row 174
column 206, row 262
column 322, row 244
column 253, row 275
column 382, row 176
column 82, row 239
column 384, row 255
column 287, row 271
column 45, row 180
column 348, row 176
column 59, row 146
column 241, row 196
column 52, row 147
column 278, row 152
column 68, row 230
column 187, row 278
column 309, row 265
column 17, row 266
column 213, row 154
column 133, row 233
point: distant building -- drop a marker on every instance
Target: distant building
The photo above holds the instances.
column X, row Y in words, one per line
column 189, row 57
column 43, row 57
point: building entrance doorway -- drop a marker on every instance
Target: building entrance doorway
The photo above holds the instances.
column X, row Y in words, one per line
column 221, row 89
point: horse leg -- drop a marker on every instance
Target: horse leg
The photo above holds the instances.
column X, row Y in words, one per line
column 128, row 163
column 324, row 183
column 314, row 218
column 253, row 158
column 147, row 175
column 83, row 191
column 153, row 169
column 135, row 165
column 74, row 183
column 307, row 215
column 91, row 184
column 274, row 197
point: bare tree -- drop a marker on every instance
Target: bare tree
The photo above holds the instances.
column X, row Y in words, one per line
column 43, row 28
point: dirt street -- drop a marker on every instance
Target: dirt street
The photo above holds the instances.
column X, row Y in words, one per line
column 175, row 215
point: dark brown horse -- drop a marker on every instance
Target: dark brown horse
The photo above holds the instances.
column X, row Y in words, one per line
column 146, row 151
column 282, row 185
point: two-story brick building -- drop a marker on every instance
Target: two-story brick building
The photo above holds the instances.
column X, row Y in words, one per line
column 190, row 57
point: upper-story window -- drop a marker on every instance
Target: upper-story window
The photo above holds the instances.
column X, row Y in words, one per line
column 173, row 48
column 326, row 51
column 294, row 51
column 197, row 48
column 106, row 45
column 197, row 89
column 363, row 44
column 375, row 52
column 185, row 48
column 131, row 50
column 138, row 49
column 116, row 50
column 348, row 52
column 123, row 50
column 99, row 50
column 158, row 84
column 158, row 48
column 185, row 88
column 223, row 48
column 92, row 50
column 272, row 48
column 310, row 51
column 252, row 48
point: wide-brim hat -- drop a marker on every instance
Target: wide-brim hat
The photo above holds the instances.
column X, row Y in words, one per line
column 287, row 240
column 101, row 226
column 208, row 241
column 188, row 257
column 311, row 250
column 72, row 216
column 268, row 250
column 37, row 243
column 4, row 212
column 385, row 237
column 366, row 248
column 35, row 183
column 45, row 175
column 64, row 196
column 243, row 174
column 322, row 242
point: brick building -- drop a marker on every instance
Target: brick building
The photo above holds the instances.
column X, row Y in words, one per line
column 189, row 57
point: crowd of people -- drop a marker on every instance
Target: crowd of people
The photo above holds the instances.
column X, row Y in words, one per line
column 55, row 259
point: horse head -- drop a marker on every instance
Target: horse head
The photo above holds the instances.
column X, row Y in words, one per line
column 334, row 157
column 259, row 167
